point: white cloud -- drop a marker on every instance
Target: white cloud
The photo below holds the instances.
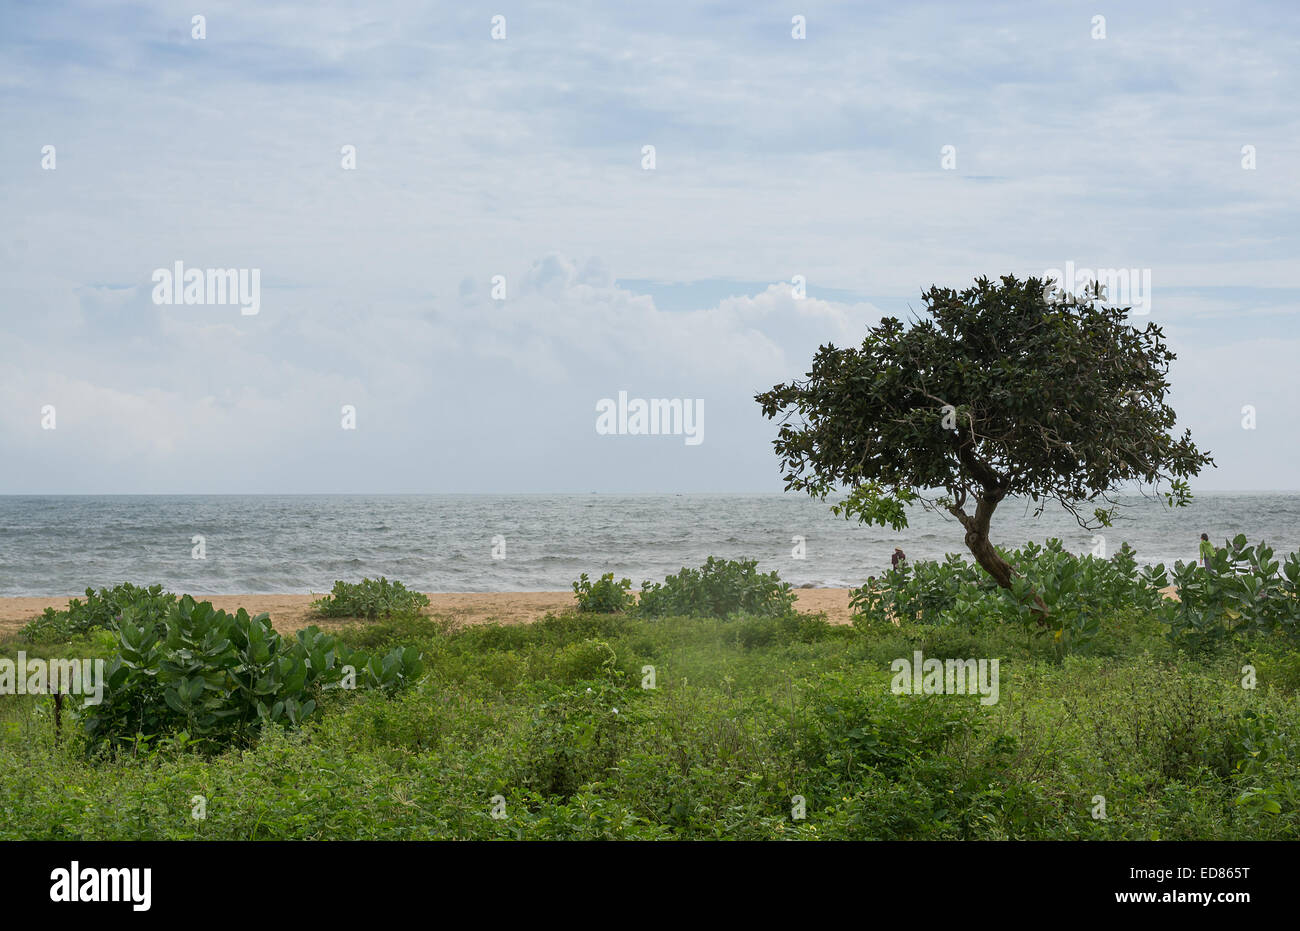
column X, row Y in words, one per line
column 522, row 158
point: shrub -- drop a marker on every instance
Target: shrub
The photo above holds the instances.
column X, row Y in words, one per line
column 100, row 611
column 721, row 587
column 752, row 632
column 217, row 678
column 1077, row 590
column 370, row 598
column 411, row 721
column 575, row 738
column 584, row 661
column 924, row 591
column 1167, row 724
column 604, row 596
column 741, row 719
column 1279, row 666
column 502, row 670
column 404, row 629
column 1242, row 591
column 843, row 730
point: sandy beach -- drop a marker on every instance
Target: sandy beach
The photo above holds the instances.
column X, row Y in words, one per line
column 290, row 613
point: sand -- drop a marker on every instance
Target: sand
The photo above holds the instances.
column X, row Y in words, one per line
column 290, row 613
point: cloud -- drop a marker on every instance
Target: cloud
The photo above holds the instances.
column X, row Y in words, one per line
column 522, row 158
column 202, row 398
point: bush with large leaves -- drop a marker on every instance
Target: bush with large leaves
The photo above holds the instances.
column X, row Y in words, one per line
column 218, row 678
column 1077, row 590
column 1243, row 590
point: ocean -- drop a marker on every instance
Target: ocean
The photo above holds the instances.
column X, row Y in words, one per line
column 60, row 545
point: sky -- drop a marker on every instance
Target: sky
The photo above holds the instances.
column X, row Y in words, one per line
column 520, row 162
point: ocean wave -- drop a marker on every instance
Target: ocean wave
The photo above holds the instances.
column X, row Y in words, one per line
column 52, row 545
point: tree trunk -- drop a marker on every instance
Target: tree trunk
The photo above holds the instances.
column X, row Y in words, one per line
column 977, row 541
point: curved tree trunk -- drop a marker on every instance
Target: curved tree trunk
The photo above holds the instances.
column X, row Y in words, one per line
column 977, row 541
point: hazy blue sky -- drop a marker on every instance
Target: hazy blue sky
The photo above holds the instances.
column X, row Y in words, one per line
column 522, row 157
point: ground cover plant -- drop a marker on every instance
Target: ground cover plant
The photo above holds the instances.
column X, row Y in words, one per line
column 589, row 725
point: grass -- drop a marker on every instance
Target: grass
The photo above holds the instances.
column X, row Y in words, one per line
column 548, row 724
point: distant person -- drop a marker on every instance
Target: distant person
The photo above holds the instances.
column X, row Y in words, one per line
column 1207, row 551
column 898, row 559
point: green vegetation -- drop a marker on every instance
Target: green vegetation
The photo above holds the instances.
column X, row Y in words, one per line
column 983, row 396
column 100, row 611
column 719, row 588
column 370, row 599
column 614, row 725
column 1077, row 592
column 1243, row 591
column 604, row 596
column 213, row 680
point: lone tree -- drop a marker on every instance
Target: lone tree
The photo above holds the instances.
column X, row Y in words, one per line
column 996, row 391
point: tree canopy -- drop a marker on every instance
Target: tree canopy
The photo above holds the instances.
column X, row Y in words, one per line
column 992, row 392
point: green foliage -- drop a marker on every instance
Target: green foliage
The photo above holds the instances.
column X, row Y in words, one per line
column 1077, row 591
column 871, row 503
column 992, row 392
column 720, row 588
column 370, row 599
column 218, row 678
column 846, row 731
column 604, row 596
column 100, row 611
column 756, row 632
column 574, row 739
column 585, row 661
column 1261, row 752
column 1242, row 591
column 741, row 716
column 402, row 628
column 987, row 389
column 923, row 591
